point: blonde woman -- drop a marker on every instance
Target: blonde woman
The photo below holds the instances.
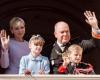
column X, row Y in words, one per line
column 13, row 48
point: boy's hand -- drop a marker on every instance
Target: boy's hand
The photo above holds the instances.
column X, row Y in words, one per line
column 66, row 61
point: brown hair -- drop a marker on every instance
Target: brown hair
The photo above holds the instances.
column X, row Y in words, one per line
column 37, row 40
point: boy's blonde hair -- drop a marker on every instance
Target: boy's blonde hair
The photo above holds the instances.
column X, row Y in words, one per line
column 75, row 47
column 15, row 20
column 37, row 40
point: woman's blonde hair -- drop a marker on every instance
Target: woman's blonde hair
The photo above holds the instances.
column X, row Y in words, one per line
column 37, row 40
column 15, row 20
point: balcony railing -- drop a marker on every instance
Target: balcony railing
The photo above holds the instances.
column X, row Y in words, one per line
column 50, row 77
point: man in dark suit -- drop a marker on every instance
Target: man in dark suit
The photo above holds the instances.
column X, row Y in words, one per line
column 62, row 34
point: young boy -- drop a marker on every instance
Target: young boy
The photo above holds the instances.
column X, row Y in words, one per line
column 34, row 63
column 72, row 62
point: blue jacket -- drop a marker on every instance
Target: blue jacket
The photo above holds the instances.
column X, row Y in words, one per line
column 33, row 64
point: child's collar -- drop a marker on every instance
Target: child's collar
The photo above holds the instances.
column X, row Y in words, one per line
column 37, row 58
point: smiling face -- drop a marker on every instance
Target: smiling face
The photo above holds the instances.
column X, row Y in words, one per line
column 62, row 32
column 18, row 30
column 75, row 53
column 17, row 27
column 35, row 49
column 36, row 43
column 76, row 56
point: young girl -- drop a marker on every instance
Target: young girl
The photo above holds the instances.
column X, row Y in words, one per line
column 34, row 62
column 13, row 48
column 72, row 62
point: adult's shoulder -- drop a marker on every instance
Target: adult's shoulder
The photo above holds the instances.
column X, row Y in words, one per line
column 25, row 41
column 87, row 44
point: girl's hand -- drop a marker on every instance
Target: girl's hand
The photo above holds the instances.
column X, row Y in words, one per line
column 27, row 72
column 41, row 71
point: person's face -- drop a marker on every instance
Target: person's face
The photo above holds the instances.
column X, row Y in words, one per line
column 62, row 33
column 18, row 30
column 76, row 56
column 35, row 49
